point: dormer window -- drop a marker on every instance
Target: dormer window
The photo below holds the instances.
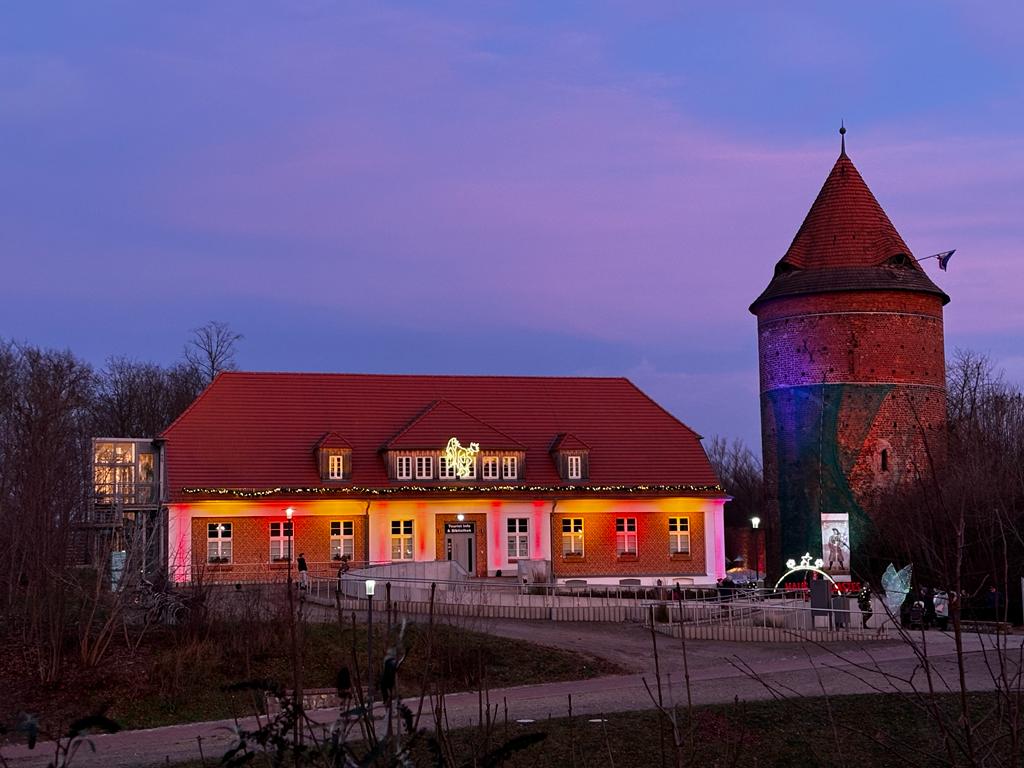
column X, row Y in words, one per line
column 424, row 467
column 336, row 466
column 490, row 468
column 574, row 467
column 445, row 469
column 572, row 457
column 403, row 467
column 333, row 458
column 510, row 467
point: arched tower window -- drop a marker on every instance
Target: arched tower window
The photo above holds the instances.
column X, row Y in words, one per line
column 884, row 459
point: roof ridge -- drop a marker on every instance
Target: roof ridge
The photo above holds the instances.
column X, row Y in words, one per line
column 529, row 377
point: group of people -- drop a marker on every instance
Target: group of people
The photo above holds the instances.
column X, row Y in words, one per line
column 923, row 609
column 927, row 608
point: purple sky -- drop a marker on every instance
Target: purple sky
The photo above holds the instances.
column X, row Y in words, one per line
column 542, row 188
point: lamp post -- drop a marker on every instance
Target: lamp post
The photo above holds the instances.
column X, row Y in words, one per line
column 293, row 632
column 371, row 585
column 288, row 526
column 756, row 523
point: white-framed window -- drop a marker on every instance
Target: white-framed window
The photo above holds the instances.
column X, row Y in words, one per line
column 518, row 538
column 342, row 539
column 679, row 535
column 218, row 543
column 490, row 470
column 403, row 467
column 424, row 467
column 446, row 471
column 401, row 539
column 572, row 536
column 335, row 467
column 510, row 467
column 625, row 535
column 280, row 542
column 574, row 467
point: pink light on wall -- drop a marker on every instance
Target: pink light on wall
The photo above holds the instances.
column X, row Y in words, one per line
column 538, row 527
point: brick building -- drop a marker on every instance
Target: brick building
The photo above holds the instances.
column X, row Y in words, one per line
column 852, row 373
column 582, row 479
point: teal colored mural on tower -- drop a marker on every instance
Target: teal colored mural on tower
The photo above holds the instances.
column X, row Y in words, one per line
column 813, row 463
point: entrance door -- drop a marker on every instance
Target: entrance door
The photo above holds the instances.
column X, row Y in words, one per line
column 460, row 541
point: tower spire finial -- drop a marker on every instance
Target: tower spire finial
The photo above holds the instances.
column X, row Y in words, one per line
column 842, row 137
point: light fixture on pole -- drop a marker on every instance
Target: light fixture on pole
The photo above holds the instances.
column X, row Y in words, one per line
column 288, row 526
column 371, row 585
column 756, row 523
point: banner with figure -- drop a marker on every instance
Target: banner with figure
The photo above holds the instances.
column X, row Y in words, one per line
column 835, row 544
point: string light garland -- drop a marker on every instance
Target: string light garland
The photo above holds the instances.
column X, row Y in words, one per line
column 256, row 493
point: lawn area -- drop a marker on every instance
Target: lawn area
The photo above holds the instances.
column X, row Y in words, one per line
column 881, row 731
column 175, row 679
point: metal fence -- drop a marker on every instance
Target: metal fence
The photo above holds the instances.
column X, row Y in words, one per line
column 728, row 615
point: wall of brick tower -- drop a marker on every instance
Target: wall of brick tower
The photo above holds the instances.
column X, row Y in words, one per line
column 845, row 376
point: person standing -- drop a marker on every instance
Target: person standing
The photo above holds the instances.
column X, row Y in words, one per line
column 928, row 595
column 303, row 571
column 994, row 603
column 941, row 601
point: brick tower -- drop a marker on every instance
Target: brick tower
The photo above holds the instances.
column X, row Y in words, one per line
column 850, row 347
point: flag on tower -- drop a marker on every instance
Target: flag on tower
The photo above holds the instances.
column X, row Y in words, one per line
column 944, row 258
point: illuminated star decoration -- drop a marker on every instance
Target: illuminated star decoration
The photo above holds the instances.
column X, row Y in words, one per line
column 460, row 457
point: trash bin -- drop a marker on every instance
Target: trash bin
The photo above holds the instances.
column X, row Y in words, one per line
column 840, row 611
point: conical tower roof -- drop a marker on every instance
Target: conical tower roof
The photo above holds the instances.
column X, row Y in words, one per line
column 846, row 243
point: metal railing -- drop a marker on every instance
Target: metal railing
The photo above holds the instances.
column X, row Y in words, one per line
column 125, row 494
column 772, row 611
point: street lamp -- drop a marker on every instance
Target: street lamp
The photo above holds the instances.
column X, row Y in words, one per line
column 756, row 523
column 288, row 513
column 293, row 632
column 371, row 585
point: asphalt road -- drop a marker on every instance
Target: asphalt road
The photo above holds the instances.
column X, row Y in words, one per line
column 719, row 673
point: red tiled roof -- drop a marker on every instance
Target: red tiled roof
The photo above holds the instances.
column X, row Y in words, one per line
column 443, row 420
column 846, row 243
column 846, row 227
column 256, row 430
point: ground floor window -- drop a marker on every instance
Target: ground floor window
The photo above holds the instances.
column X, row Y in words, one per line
column 218, row 543
column 280, row 542
column 625, row 536
column 518, row 538
column 679, row 535
column 572, row 537
column 401, row 539
column 342, row 539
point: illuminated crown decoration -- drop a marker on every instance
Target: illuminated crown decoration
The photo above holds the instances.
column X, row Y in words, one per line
column 805, row 565
column 461, row 457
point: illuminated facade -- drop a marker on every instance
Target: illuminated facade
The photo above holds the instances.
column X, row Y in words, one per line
column 544, row 479
column 852, row 372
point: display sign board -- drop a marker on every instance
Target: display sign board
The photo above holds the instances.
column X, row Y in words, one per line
column 835, row 544
column 460, row 528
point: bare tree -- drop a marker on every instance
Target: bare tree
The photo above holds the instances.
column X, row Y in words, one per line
column 43, row 478
column 212, row 349
column 137, row 399
column 739, row 471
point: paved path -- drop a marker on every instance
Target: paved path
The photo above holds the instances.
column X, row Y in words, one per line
column 719, row 672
